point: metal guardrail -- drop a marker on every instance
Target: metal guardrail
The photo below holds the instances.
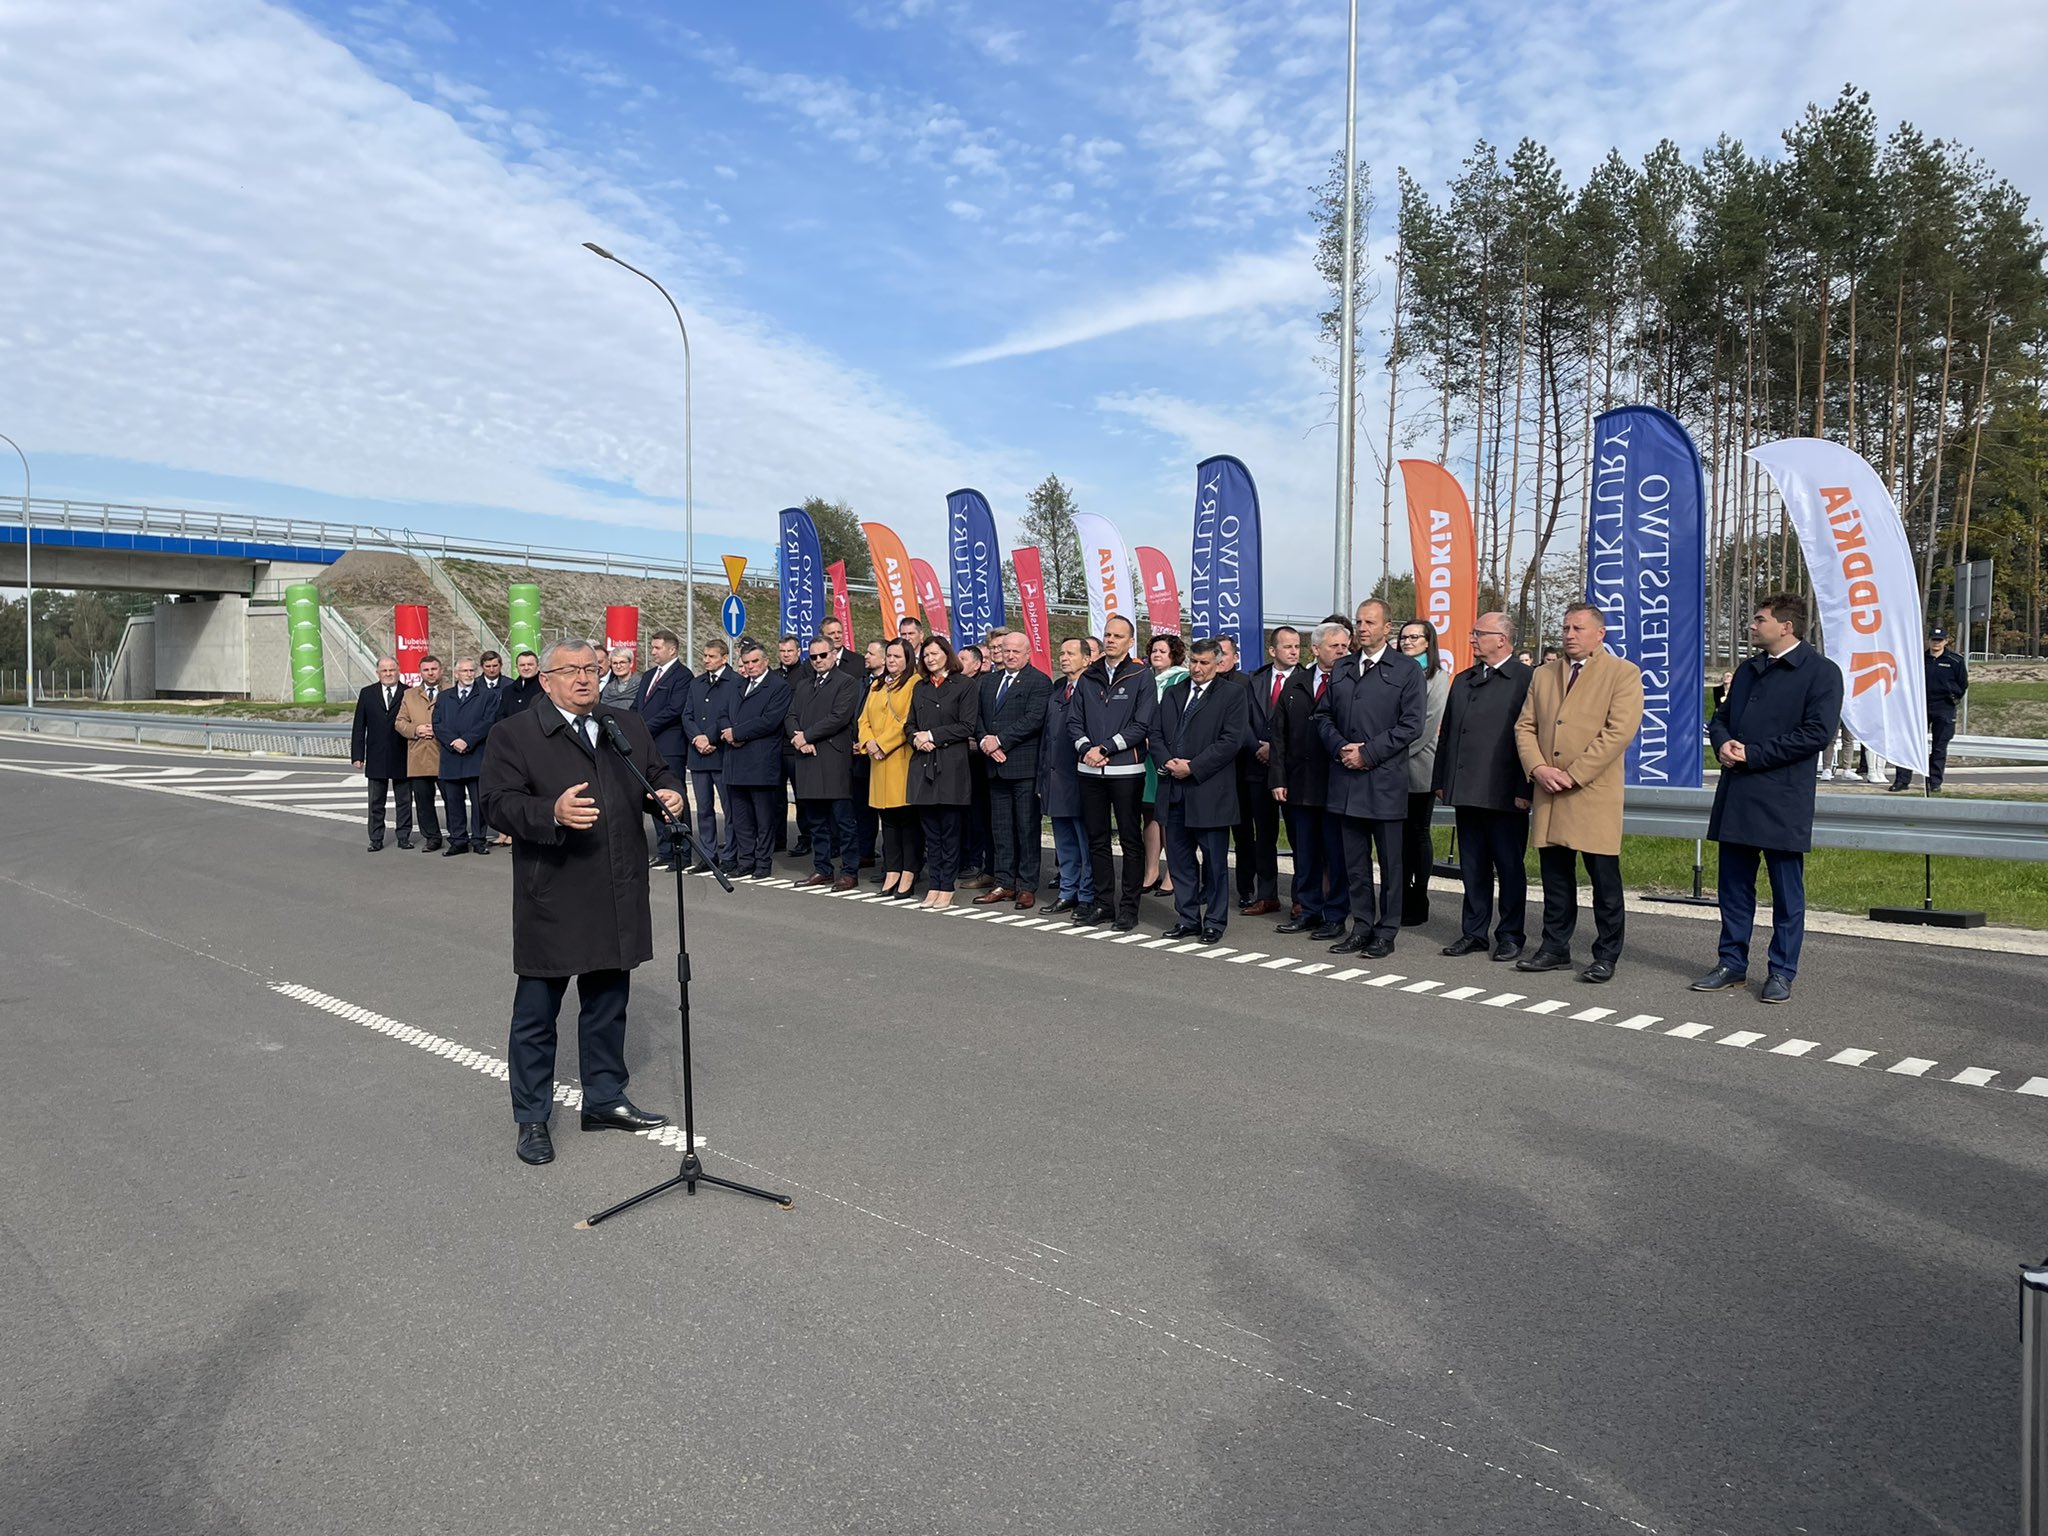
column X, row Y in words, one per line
column 279, row 738
column 2006, row 749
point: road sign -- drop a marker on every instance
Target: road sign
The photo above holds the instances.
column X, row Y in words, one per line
column 734, row 616
column 735, row 571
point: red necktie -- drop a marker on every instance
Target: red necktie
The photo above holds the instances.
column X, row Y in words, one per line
column 1321, row 679
column 1279, row 682
column 1573, row 681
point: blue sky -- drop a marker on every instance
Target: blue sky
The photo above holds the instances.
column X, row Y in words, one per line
column 325, row 258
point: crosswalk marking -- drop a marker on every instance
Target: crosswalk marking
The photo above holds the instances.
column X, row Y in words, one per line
column 1851, row 1058
column 1795, row 1047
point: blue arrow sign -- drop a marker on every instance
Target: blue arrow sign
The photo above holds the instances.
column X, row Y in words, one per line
column 735, row 615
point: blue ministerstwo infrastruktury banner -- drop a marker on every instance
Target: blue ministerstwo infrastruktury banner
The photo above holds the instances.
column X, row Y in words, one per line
column 1646, row 571
column 976, row 567
column 1225, row 595
column 802, row 565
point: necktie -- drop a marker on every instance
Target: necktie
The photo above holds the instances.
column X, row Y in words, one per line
column 821, row 680
column 1194, row 698
column 387, row 698
column 1322, row 680
column 1573, row 681
column 461, row 694
column 1484, row 672
column 431, row 691
column 751, row 684
column 586, row 728
column 1003, row 687
column 1279, row 682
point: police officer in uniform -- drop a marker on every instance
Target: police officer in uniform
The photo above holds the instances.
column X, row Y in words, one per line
column 1948, row 679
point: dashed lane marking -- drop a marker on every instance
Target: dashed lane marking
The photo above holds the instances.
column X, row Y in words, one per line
column 1912, row 1066
column 1688, row 1031
column 1795, row 1047
column 1548, row 1005
column 1741, row 1037
column 1851, row 1058
column 1974, row 1077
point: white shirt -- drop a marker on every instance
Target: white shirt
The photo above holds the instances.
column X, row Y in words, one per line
column 577, row 723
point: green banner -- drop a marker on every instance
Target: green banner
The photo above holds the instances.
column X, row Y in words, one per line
column 522, row 618
column 302, row 623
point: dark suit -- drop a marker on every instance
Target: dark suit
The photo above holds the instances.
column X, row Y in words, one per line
column 374, row 742
column 518, row 693
column 1013, row 706
column 659, row 703
column 1479, row 773
column 1059, row 788
column 1300, row 764
column 753, row 769
column 824, row 707
column 1198, row 812
column 1381, row 707
column 704, row 714
column 1784, row 712
column 1258, row 830
column 579, row 898
column 467, row 720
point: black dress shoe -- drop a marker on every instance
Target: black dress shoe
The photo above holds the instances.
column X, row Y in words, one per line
column 1296, row 925
column 431, row 845
column 622, row 1116
column 1543, row 961
column 1181, row 931
column 1064, row 904
column 1125, row 924
column 1505, row 950
column 1599, row 970
column 1719, row 979
column 479, row 847
column 1211, row 935
column 535, row 1145
column 1353, row 944
column 1464, row 944
column 1776, row 990
column 453, row 849
column 378, row 847
column 405, row 842
column 1088, row 915
column 1329, row 931
column 1378, row 949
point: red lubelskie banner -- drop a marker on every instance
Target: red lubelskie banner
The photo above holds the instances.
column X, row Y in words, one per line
column 409, row 625
column 841, row 607
column 931, row 598
column 1162, row 592
column 1031, row 599
column 622, row 627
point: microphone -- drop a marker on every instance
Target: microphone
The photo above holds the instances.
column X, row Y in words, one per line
column 608, row 727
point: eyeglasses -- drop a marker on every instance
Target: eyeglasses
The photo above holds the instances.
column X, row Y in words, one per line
column 821, row 655
column 588, row 669
column 1481, row 634
column 1415, row 639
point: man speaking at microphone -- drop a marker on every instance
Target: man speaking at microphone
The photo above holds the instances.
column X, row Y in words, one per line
column 554, row 779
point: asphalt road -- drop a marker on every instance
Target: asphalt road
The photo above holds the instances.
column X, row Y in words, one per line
column 1089, row 1236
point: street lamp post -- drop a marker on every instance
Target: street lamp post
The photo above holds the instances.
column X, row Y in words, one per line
column 689, row 487
column 28, row 570
column 1347, row 369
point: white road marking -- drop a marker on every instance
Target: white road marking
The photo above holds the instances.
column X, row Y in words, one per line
column 1548, row 1005
column 1248, row 956
column 1422, row 986
column 1851, row 1058
column 1280, row 964
column 1190, row 947
column 1639, row 1021
column 1160, row 943
column 1688, row 1031
column 1459, row 994
column 1346, row 974
column 1127, row 938
column 2037, row 1086
column 1592, row 1015
column 1216, row 951
column 1502, row 999
column 1974, row 1077
column 1795, row 1047
column 1741, row 1037
column 1912, row 1066
column 1313, row 970
column 1386, row 979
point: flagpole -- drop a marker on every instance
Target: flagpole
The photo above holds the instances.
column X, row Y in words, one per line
column 1347, row 371
column 28, row 570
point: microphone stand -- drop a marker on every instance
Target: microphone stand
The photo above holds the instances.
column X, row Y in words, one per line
column 692, row 1173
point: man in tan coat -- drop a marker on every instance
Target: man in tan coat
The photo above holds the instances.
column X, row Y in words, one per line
column 1583, row 710
column 415, row 725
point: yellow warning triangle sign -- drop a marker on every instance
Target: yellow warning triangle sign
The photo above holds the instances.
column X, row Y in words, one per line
column 735, row 569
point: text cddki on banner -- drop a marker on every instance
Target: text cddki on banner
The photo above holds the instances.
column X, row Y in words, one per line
column 1865, row 590
column 1106, row 567
column 1646, row 573
column 892, row 576
column 1446, row 558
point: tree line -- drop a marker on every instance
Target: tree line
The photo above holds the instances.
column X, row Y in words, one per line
column 1886, row 293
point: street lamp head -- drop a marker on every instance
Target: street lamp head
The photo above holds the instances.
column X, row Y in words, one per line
column 592, row 245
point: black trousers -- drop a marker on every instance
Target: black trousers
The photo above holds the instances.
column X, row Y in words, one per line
column 1418, row 858
column 1123, row 795
column 664, row 845
column 755, row 815
column 600, row 1041
column 707, row 788
column 1941, row 730
column 977, row 835
column 378, row 789
column 941, row 845
column 426, row 814
column 902, row 839
column 866, row 823
column 1014, row 838
column 1258, row 838
column 1363, row 839
column 829, row 826
column 1199, row 858
column 1492, row 849
column 1561, row 901
column 464, row 800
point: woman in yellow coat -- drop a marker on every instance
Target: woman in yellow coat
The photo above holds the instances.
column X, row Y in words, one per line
column 881, row 734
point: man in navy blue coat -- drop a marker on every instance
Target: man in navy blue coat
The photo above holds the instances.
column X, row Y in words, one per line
column 463, row 717
column 704, row 722
column 1014, row 698
column 1203, row 724
column 664, row 691
column 1368, row 718
column 753, row 740
column 1782, row 708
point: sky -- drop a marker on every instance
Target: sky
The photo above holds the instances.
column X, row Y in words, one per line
column 325, row 259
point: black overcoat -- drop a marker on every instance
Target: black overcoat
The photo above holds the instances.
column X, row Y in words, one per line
column 1783, row 712
column 1059, row 770
column 1210, row 739
column 826, row 715
column 951, row 711
column 1478, row 763
column 373, row 738
column 1383, row 709
column 579, row 899
column 1299, row 763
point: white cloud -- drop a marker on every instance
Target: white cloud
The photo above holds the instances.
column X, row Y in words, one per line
column 237, row 251
column 725, row 173
column 1284, row 277
column 963, row 210
column 1002, row 46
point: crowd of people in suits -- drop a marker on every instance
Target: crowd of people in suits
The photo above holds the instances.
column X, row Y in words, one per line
column 935, row 770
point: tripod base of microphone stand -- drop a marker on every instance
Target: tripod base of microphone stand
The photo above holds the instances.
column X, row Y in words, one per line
column 691, row 1175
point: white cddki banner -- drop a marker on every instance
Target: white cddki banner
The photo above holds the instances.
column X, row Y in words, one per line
column 1865, row 588
column 1107, row 568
